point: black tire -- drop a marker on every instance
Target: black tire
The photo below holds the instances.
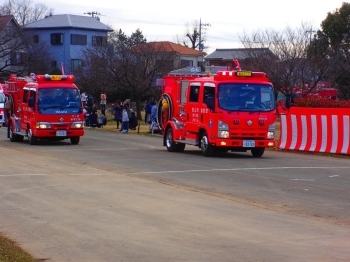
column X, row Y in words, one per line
column 180, row 147
column 258, row 151
column 171, row 146
column 31, row 138
column 75, row 140
column 13, row 137
column 206, row 148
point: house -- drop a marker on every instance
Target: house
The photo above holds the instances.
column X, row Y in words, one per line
column 14, row 46
column 225, row 57
column 66, row 36
column 184, row 56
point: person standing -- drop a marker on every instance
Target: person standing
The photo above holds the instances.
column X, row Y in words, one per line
column 103, row 102
column 153, row 117
column 125, row 123
column 83, row 98
column 148, row 108
column 117, row 107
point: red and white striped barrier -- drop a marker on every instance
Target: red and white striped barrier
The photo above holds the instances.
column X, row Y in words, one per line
column 316, row 129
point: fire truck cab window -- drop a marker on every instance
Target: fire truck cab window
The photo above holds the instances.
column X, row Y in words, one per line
column 208, row 92
column 194, row 93
column 2, row 98
column 25, row 96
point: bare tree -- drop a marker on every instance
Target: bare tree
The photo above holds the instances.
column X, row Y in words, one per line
column 13, row 51
column 192, row 34
column 292, row 63
column 129, row 66
column 25, row 11
column 39, row 55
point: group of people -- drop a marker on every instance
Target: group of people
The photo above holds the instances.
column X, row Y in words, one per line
column 124, row 116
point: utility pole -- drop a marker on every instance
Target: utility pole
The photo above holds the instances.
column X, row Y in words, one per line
column 310, row 31
column 94, row 14
column 200, row 45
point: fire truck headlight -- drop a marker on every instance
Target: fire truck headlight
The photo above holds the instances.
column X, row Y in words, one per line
column 43, row 125
column 77, row 125
column 271, row 131
column 223, row 130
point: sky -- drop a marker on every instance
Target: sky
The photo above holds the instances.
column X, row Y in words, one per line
column 223, row 21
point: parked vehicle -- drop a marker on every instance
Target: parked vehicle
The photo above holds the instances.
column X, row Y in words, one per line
column 231, row 110
column 44, row 107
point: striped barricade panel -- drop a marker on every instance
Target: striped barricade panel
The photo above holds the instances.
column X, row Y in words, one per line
column 316, row 129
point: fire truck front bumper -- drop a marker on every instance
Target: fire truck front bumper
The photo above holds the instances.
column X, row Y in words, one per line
column 45, row 133
column 245, row 144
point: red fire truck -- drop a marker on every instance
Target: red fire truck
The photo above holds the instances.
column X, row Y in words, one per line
column 44, row 107
column 229, row 111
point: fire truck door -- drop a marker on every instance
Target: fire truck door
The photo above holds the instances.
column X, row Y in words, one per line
column 24, row 108
column 205, row 116
column 192, row 109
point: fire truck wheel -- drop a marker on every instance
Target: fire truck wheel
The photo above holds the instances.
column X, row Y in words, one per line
column 11, row 135
column 31, row 138
column 171, row 146
column 206, row 148
column 75, row 140
column 258, row 152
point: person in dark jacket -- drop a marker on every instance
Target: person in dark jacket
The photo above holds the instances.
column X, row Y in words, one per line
column 148, row 108
column 117, row 107
column 133, row 123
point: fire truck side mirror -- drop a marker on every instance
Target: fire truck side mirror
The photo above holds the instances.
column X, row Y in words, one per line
column 31, row 102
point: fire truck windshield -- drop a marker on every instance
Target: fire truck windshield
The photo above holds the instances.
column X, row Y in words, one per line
column 59, row 100
column 2, row 98
column 246, row 97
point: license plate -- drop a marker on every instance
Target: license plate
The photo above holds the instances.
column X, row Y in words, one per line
column 248, row 143
column 61, row 133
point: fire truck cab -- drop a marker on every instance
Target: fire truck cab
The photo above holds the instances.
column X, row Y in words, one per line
column 229, row 111
column 44, row 107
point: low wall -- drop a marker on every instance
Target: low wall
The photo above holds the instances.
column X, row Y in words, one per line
column 316, row 129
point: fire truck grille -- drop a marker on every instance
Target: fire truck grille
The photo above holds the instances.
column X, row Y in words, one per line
column 247, row 135
column 60, row 125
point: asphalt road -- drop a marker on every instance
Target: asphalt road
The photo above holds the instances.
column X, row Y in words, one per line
column 123, row 197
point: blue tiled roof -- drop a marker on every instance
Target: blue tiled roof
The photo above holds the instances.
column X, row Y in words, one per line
column 69, row 21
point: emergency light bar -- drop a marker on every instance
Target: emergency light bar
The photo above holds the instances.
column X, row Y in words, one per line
column 227, row 75
column 47, row 77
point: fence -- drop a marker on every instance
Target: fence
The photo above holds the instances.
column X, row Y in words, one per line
column 316, row 129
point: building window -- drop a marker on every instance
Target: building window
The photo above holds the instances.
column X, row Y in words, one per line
column 57, row 39
column 19, row 58
column 186, row 63
column 35, row 39
column 78, row 39
column 76, row 64
column 99, row 41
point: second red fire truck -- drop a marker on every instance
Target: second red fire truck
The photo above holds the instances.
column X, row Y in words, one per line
column 44, row 107
column 229, row 111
